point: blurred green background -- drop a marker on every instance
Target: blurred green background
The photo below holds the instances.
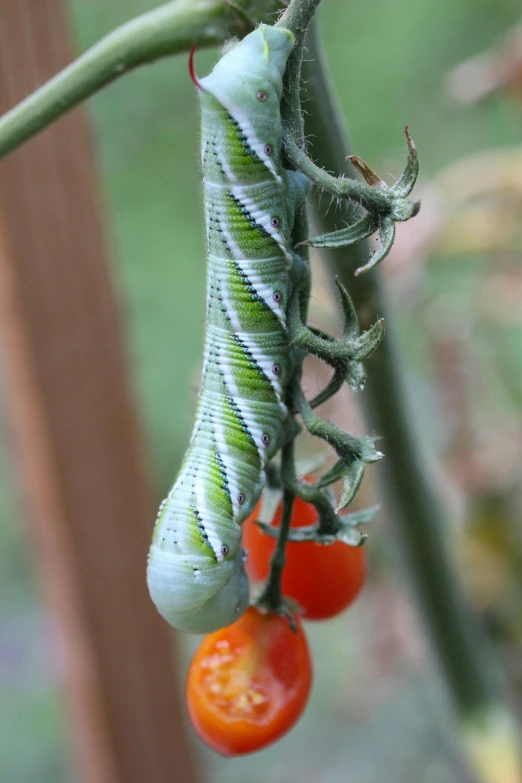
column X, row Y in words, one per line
column 378, row 711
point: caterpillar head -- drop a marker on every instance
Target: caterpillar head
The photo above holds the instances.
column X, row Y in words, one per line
column 247, row 82
column 255, row 65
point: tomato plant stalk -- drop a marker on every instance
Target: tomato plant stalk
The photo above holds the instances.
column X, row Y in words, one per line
column 467, row 662
column 170, row 29
column 271, row 596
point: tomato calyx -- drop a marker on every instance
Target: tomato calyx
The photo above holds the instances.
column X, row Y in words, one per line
column 284, row 607
column 322, row 580
column 333, row 523
column 346, row 531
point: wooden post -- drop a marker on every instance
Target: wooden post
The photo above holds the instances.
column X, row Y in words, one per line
column 77, row 443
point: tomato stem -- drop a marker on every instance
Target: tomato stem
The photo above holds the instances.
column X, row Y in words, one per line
column 160, row 32
column 272, row 597
column 414, row 503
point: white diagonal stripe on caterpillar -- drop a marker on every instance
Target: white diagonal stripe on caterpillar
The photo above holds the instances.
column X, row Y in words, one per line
column 261, row 218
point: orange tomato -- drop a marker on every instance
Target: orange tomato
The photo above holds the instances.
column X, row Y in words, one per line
column 324, row 579
column 248, row 684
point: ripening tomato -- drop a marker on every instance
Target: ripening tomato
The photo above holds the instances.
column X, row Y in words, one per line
column 249, row 683
column 323, row 578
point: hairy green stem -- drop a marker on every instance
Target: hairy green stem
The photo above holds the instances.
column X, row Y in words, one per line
column 367, row 196
column 167, row 30
column 272, row 597
column 413, row 503
column 296, row 18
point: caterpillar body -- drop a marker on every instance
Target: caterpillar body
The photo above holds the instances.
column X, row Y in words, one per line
column 195, row 568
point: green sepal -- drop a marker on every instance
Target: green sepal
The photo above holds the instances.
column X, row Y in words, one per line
column 336, row 473
column 365, row 450
column 349, row 536
column 352, row 481
column 387, row 236
column 370, row 340
column 364, row 228
column 361, row 517
column 286, row 607
column 408, row 178
column 355, row 376
column 351, row 321
column 351, row 474
column 346, row 529
column 346, row 354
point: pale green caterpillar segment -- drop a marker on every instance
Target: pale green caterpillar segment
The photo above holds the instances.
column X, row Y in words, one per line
column 195, row 571
column 232, row 212
column 247, row 77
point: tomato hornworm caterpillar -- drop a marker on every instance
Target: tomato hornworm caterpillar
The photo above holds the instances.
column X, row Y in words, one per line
column 195, row 570
column 256, row 338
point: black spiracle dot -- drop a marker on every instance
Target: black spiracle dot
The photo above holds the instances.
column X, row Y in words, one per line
column 268, row 150
column 224, row 550
column 265, row 439
column 261, row 96
column 277, row 296
column 274, row 222
column 240, row 498
column 276, row 369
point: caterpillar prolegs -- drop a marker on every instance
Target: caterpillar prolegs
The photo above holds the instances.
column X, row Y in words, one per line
column 195, row 569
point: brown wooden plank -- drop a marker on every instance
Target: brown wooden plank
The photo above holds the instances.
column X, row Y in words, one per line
column 78, row 445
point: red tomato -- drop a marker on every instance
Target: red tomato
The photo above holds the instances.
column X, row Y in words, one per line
column 249, row 683
column 323, row 578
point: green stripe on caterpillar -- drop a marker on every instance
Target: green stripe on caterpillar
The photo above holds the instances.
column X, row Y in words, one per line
column 195, row 568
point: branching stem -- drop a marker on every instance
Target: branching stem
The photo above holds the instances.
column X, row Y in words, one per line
column 340, row 187
column 164, row 31
column 272, row 597
column 413, row 503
